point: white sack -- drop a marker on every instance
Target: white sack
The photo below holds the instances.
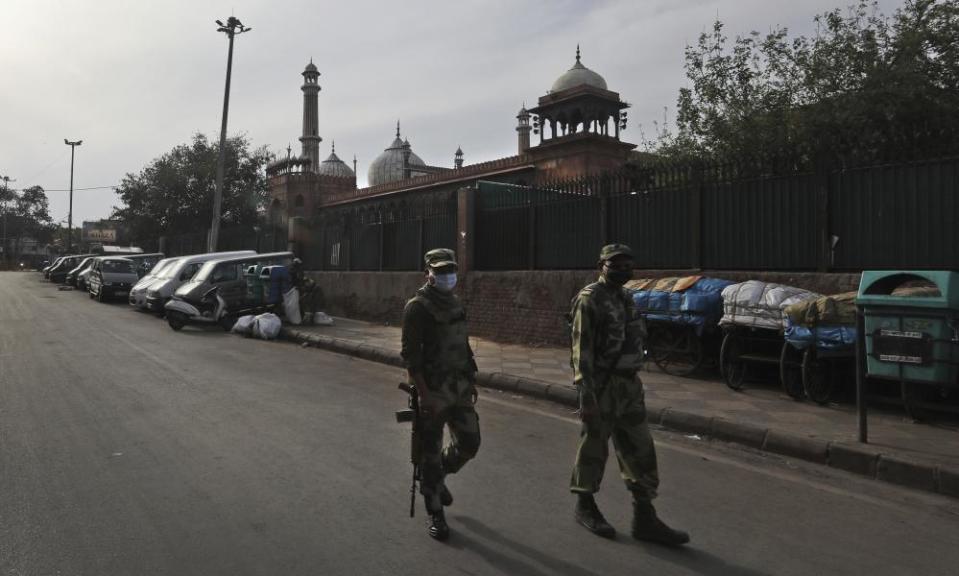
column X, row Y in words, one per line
column 760, row 304
column 244, row 325
column 267, row 326
column 291, row 306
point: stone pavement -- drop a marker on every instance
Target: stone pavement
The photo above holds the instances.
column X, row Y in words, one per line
column 761, row 405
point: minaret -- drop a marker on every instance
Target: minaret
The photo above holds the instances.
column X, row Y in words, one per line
column 311, row 123
column 522, row 129
column 458, row 158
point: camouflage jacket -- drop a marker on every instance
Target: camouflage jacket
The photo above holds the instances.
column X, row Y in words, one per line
column 607, row 335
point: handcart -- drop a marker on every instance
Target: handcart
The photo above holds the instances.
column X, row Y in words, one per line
column 682, row 319
column 822, row 332
column 753, row 324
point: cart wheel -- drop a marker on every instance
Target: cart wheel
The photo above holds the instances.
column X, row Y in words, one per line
column 677, row 351
column 912, row 400
column 732, row 368
column 790, row 371
column 817, row 379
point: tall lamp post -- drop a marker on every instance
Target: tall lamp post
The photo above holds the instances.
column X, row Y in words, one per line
column 3, row 196
column 73, row 148
column 232, row 27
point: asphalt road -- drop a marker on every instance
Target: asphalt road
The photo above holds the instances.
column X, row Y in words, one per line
column 128, row 449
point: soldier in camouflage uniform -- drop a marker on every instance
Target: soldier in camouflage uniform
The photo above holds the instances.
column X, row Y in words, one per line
column 607, row 352
column 440, row 363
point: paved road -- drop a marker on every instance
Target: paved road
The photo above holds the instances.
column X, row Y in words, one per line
column 126, row 448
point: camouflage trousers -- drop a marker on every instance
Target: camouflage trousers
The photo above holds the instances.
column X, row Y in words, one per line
column 455, row 397
column 623, row 417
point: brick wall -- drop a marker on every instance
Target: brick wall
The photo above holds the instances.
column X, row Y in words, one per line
column 521, row 306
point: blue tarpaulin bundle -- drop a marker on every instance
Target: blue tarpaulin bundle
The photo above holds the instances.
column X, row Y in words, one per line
column 689, row 301
column 824, row 337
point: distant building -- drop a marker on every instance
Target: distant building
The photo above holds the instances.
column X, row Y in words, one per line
column 577, row 124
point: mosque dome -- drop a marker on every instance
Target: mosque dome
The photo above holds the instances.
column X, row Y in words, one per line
column 577, row 76
column 388, row 166
column 333, row 166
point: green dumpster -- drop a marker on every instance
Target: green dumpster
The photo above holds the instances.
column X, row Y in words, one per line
column 911, row 335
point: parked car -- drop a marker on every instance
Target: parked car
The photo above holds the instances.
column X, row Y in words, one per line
column 144, row 262
column 138, row 294
column 48, row 267
column 237, row 289
column 58, row 274
column 111, row 277
column 159, row 292
column 72, row 275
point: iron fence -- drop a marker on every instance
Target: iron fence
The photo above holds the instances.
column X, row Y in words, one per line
column 264, row 238
column 383, row 235
column 744, row 216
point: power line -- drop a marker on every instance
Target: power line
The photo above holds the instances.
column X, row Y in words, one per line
column 75, row 189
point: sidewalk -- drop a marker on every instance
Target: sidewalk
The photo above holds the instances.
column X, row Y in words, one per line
column 919, row 455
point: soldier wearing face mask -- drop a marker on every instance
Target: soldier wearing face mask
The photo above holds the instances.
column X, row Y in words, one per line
column 440, row 363
column 607, row 352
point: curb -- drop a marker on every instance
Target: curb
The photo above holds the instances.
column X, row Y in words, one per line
column 859, row 459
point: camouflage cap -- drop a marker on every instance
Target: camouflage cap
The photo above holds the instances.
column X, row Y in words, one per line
column 612, row 250
column 439, row 257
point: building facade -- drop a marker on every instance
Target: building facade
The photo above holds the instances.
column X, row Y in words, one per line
column 577, row 125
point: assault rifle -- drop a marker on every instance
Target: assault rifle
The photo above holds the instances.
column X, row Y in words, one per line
column 412, row 415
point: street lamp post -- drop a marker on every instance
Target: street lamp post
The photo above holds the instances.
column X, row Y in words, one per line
column 5, row 191
column 73, row 148
column 232, row 27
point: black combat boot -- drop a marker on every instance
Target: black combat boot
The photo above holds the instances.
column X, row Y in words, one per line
column 438, row 528
column 446, row 498
column 588, row 514
column 647, row 526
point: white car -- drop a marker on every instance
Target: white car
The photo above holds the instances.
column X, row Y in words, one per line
column 138, row 294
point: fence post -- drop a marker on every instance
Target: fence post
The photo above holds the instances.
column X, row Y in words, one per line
column 465, row 228
column 382, row 229
column 823, row 247
column 696, row 216
column 531, row 236
column 161, row 244
column 603, row 217
column 421, row 241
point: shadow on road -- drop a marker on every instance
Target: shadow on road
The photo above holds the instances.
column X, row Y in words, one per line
column 698, row 561
column 511, row 564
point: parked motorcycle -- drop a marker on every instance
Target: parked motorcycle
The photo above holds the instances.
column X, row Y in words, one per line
column 211, row 309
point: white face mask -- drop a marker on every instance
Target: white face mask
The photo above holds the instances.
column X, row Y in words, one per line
column 444, row 282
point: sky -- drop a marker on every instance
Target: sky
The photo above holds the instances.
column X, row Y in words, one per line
column 133, row 79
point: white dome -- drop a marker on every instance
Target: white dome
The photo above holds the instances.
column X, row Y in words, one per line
column 388, row 166
column 577, row 76
column 333, row 166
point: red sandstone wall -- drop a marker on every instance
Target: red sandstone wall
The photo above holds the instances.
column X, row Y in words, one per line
column 522, row 306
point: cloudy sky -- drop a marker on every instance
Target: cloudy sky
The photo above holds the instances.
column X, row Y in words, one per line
column 132, row 79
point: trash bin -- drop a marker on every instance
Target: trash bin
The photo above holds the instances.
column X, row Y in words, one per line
column 911, row 335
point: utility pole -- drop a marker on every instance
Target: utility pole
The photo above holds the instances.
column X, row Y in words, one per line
column 73, row 148
column 3, row 196
column 232, row 27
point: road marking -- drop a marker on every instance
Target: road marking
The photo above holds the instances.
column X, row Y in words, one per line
column 935, row 501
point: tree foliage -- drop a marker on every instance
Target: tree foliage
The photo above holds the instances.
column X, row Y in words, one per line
column 864, row 88
column 25, row 215
column 173, row 194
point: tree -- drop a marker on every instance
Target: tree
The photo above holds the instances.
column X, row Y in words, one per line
column 865, row 88
column 24, row 215
column 173, row 194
